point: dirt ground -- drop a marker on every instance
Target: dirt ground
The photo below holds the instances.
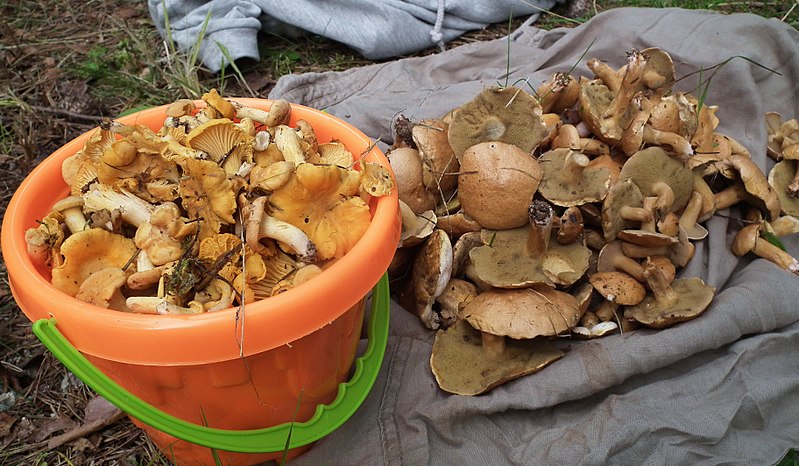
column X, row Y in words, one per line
column 64, row 66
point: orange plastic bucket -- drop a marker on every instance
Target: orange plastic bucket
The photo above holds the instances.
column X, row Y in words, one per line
column 301, row 341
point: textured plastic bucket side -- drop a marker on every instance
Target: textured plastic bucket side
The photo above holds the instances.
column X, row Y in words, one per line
column 264, row 389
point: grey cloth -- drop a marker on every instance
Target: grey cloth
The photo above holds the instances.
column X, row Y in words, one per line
column 376, row 28
column 720, row 389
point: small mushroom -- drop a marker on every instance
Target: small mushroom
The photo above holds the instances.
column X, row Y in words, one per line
column 682, row 300
column 623, row 208
column 455, row 297
column 408, row 172
column 618, row 287
column 415, row 228
column 748, row 239
column 71, row 207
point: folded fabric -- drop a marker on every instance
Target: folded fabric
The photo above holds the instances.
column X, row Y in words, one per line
column 376, row 28
column 720, row 389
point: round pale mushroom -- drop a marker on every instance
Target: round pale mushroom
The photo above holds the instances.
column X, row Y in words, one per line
column 496, row 183
column 507, row 115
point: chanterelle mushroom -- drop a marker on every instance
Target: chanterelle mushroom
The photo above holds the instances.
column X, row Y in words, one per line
column 507, row 115
column 319, row 200
column 163, row 234
column 103, row 288
column 88, row 251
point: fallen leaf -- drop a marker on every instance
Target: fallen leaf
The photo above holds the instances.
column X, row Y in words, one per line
column 126, row 12
column 52, row 426
column 99, row 413
column 100, row 409
column 7, row 421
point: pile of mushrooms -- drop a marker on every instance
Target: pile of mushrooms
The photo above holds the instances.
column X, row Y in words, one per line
column 223, row 206
column 571, row 212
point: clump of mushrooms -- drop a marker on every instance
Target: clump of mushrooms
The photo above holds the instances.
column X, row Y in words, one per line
column 594, row 188
column 224, row 205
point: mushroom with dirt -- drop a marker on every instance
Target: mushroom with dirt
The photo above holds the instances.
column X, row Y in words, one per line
column 749, row 239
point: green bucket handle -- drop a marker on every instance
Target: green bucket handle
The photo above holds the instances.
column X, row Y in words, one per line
column 325, row 420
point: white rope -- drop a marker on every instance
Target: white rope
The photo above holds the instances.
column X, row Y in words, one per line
column 435, row 34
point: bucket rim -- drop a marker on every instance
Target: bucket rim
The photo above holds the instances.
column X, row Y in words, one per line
column 208, row 337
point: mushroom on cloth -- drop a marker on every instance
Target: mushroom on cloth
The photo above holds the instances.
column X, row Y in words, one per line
column 499, row 114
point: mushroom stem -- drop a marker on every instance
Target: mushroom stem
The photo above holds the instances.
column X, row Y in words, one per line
column 493, row 345
column 665, row 198
column 635, row 68
column 608, row 75
column 678, row 143
column 669, row 225
column 606, row 311
column 74, row 219
column 287, row 140
column 540, row 213
column 691, row 212
column 629, row 266
column 657, row 282
column 573, row 166
column 650, row 204
column 776, row 255
column 636, row 214
column 282, row 231
column 729, row 196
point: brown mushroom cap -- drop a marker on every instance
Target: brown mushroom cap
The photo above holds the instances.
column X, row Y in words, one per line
column 441, row 167
column 761, row 194
column 618, row 287
column 461, row 366
column 455, row 297
column 507, row 115
column 496, row 184
column 431, row 272
column 408, row 173
column 649, row 166
column 523, row 313
column 569, row 181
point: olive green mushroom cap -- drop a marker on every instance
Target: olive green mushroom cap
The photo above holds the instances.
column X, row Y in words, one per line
column 652, row 165
column 622, row 194
column 507, row 115
column 503, row 261
column 693, row 297
column 570, row 181
column 780, row 177
column 462, row 367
